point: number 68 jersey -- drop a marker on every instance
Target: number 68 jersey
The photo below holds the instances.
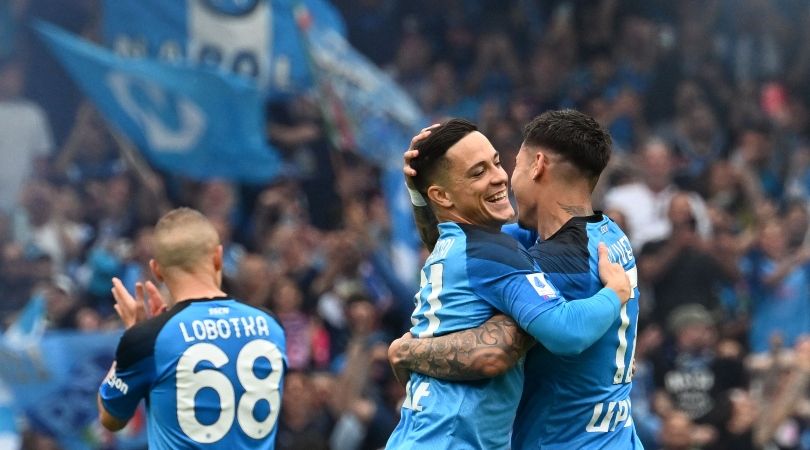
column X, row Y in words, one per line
column 211, row 371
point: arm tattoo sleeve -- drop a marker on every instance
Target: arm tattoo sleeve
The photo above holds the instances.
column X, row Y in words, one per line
column 427, row 224
column 474, row 354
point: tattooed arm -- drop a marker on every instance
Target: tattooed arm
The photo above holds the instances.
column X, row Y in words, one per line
column 474, row 354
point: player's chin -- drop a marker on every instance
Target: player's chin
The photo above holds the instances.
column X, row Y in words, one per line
column 502, row 213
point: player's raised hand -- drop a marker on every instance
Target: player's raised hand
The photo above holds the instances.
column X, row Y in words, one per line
column 613, row 275
column 412, row 153
column 155, row 302
column 130, row 310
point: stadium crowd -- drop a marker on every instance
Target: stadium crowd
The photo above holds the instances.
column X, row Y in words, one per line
column 707, row 104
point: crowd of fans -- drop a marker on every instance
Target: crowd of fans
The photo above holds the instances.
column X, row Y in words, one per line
column 707, row 104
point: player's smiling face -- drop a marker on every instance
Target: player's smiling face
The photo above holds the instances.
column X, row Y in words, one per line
column 476, row 183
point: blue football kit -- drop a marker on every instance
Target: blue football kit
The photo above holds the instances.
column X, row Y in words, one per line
column 580, row 401
column 472, row 274
column 211, row 372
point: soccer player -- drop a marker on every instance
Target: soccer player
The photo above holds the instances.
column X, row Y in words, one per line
column 210, row 367
column 570, row 401
column 473, row 272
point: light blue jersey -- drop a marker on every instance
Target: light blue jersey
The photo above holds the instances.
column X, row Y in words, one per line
column 211, row 371
column 582, row 401
column 471, row 275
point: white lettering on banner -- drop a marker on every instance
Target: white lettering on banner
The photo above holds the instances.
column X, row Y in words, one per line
column 237, row 42
column 161, row 138
column 210, row 329
column 607, row 413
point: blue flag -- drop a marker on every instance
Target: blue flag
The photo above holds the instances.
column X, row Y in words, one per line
column 21, row 337
column 256, row 38
column 373, row 115
column 188, row 121
column 381, row 116
column 52, row 379
column 55, row 381
column 28, row 327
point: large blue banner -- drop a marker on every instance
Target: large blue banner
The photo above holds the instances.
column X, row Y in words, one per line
column 54, row 384
column 195, row 122
column 256, row 38
column 52, row 378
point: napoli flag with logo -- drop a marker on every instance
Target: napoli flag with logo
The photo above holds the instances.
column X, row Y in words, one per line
column 190, row 121
column 256, row 39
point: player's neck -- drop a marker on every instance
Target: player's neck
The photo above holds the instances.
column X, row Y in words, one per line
column 559, row 207
column 189, row 286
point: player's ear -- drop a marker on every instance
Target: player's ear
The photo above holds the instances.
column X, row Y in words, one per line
column 218, row 258
column 439, row 196
column 156, row 270
column 538, row 167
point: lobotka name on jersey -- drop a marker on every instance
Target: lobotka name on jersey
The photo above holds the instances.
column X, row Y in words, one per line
column 232, row 327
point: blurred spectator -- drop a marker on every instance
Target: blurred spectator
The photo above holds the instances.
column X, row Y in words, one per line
column 676, row 434
column 301, row 424
column 88, row 152
column 61, row 303
column 645, row 202
column 691, row 375
column 41, row 225
column 253, row 283
column 27, row 139
column 778, row 278
column 307, row 340
column 683, row 268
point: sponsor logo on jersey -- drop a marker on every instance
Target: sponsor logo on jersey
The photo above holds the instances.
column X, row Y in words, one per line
column 541, row 285
column 608, row 416
column 117, row 383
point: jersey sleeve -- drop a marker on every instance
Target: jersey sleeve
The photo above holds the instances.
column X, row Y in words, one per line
column 511, row 283
column 134, row 373
column 506, row 278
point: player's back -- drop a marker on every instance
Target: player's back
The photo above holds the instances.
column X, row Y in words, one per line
column 439, row 414
column 582, row 401
column 218, row 366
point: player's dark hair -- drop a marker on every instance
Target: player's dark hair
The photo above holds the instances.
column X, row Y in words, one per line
column 575, row 136
column 433, row 148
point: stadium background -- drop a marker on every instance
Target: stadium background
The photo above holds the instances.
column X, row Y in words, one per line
column 707, row 103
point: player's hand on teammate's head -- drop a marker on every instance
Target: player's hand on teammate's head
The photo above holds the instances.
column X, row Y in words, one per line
column 412, row 153
column 613, row 275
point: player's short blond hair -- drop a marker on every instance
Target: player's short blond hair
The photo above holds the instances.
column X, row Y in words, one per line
column 184, row 238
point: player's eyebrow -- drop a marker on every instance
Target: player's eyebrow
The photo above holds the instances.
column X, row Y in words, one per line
column 480, row 164
column 496, row 156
